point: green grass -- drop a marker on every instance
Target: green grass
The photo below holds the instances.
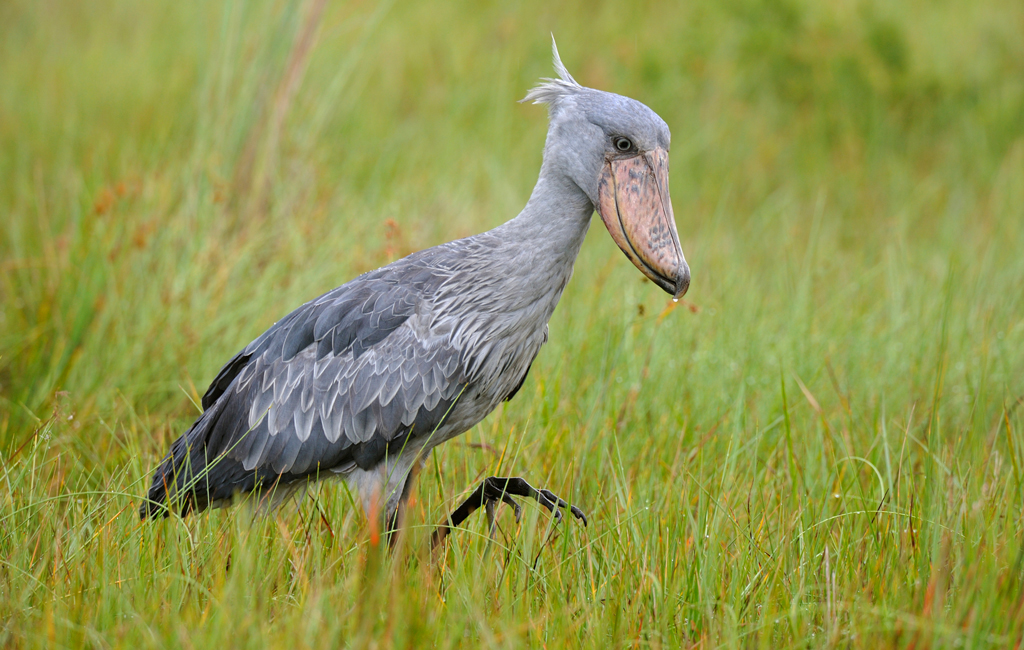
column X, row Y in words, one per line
column 821, row 447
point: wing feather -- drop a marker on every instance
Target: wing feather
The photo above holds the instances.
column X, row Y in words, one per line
column 337, row 383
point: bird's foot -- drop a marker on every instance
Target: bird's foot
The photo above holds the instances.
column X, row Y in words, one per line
column 494, row 489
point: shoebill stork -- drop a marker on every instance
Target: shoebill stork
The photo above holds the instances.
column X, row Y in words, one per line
column 364, row 381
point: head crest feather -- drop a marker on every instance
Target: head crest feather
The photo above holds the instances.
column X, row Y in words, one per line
column 552, row 91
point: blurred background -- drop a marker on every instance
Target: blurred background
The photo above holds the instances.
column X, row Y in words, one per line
column 178, row 177
column 848, row 182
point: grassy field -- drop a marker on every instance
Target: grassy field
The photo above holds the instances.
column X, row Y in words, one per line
column 822, row 446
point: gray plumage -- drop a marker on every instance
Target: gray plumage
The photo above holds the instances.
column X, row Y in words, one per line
column 364, row 381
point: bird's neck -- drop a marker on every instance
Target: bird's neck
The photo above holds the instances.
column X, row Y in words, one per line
column 554, row 222
column 540, row 245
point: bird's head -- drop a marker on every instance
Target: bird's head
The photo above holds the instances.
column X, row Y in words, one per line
column 615, row 150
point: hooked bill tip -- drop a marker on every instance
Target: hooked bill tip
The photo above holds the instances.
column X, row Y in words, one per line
column 682, row 282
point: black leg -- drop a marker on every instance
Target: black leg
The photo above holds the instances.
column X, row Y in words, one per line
column 495, row 489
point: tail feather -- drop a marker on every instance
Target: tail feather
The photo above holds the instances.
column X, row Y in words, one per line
column 197, row 473
column 182, row 480
column 200, row 472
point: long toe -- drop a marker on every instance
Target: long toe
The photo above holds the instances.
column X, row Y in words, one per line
column 552, row 502
column 576, row 512
column 494, row 489
column 549, row 501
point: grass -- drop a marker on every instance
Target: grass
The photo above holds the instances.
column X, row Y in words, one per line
column 821, row 447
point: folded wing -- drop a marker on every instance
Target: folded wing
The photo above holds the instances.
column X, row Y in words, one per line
column 337, row 384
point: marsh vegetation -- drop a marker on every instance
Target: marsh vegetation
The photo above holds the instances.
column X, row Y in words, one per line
column 820, row 446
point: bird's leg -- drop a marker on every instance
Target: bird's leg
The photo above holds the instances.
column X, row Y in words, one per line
column 484, row 495
column 395, row 520
column 492, row 524
column 494, row 489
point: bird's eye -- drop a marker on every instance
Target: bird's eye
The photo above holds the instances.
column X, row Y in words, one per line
column 623, row 144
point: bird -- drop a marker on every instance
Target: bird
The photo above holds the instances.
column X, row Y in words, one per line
column 363, row 382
